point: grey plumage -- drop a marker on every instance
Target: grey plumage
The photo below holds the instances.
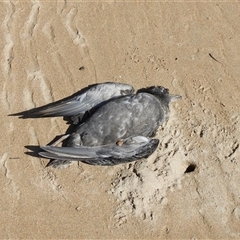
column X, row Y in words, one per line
column 78, row 104
column 130, row 149
column 131, row 119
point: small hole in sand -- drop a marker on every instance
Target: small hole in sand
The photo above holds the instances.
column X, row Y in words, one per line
column 191, row 167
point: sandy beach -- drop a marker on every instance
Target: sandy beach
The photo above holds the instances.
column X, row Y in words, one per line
column 189, row 187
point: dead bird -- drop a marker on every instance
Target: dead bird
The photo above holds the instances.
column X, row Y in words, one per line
column 117, row 131
column 76, row 105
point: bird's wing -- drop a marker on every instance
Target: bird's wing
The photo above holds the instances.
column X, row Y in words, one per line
column 129, row 150
column 79, row 104
column 71, row 107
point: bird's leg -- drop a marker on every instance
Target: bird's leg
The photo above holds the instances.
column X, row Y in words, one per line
column 61, row 139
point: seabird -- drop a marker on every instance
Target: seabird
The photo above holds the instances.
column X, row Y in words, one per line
column 118, row 131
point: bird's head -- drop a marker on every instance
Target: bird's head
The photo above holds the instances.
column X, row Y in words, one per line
column 161, row 93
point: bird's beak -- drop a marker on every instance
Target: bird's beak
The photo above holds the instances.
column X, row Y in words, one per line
column 174, row 97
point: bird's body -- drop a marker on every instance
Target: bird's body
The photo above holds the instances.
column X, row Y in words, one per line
column 135, row 116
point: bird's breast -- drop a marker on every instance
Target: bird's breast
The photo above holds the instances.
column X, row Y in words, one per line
column 132, row 115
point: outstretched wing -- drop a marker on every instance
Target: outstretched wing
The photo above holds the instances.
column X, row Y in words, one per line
column 79, row 104
column 130, row 149
column 71, row 107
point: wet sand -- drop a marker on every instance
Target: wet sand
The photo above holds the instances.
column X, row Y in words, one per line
column 189, row 188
